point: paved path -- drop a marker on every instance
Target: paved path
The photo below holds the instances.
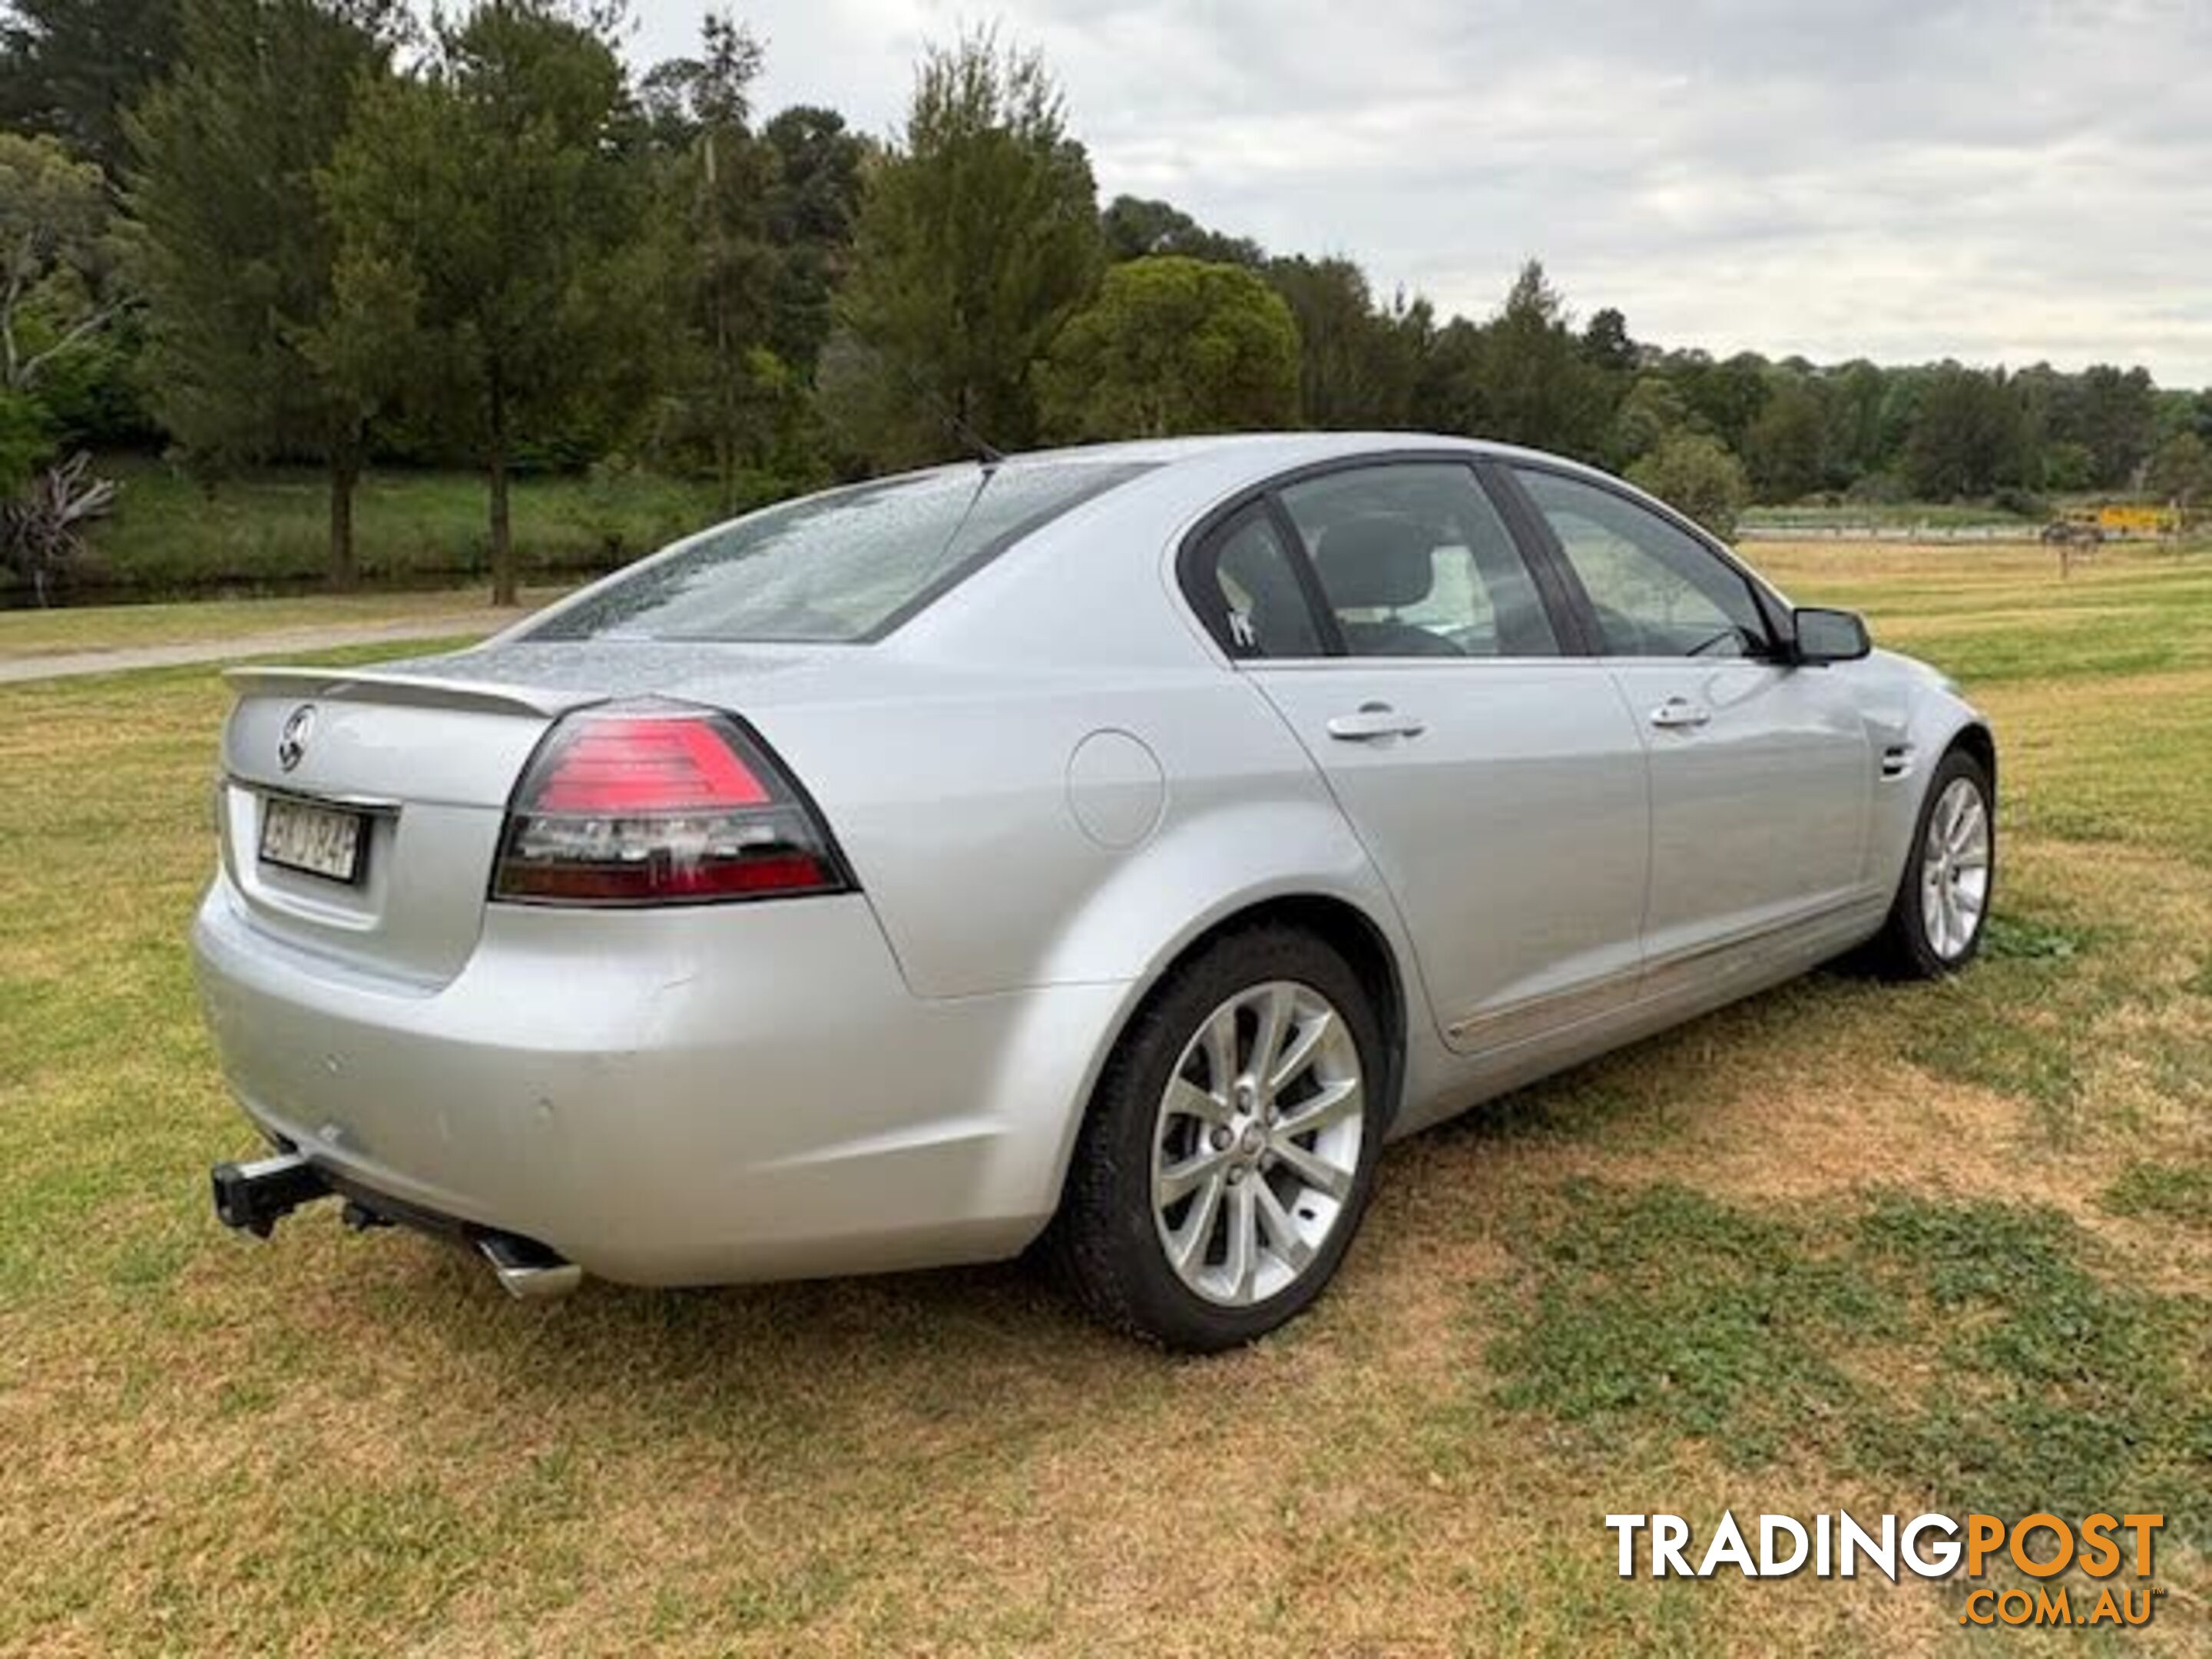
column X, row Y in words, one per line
column 275, row 642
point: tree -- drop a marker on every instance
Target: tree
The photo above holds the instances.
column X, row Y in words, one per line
column 1652, row 412
column 2181, row 471
column 813, row 204
column 58, row 296
column 2115, row 417
column 72, row 68
column 1135, row 228
column 1966, row 435
column 1782, row 449
column 1172, row 346
column 239, row 264
column 56, row 260
column 24, row 440
column 1356, row 365
column 489, row 212
column 1447, row 391
column 2068, row 466
column 715, row 188
column 1533, row 384
column 1698, row 476
column 1726, row 397
column 1607, row 344
column 978, row 239
column 1853, row 440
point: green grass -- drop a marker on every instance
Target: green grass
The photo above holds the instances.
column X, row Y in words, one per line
column 2164, row 1191
column 1967, row 1352
column 1661, row 1310
column 270, row 529
column 1849, row 1245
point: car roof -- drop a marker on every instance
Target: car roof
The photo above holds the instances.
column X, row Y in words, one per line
column 1283, row 448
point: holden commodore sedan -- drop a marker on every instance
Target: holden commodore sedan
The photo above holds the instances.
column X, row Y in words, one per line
column 1110, row 846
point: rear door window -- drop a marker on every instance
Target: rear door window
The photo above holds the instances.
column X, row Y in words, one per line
column 1416, row 563
column 1249, row 592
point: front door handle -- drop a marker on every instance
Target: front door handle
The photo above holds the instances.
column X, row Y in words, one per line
column 1375, row 720
column 1677, row 712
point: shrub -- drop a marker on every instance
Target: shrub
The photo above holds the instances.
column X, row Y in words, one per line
column 1696, row 476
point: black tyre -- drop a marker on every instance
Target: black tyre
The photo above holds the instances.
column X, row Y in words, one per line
column 1942, row 905
column 1230, row 1149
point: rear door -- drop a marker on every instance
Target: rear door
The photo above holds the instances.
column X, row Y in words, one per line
column 1762, row 773
column 1497, row 782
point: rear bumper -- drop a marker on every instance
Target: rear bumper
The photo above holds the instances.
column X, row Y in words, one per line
column 674, row 1096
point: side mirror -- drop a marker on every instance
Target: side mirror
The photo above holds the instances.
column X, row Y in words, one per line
column 1825, row 635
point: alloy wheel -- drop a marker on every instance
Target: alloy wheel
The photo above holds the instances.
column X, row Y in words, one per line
column 1954, row 869
column 1257, row 1143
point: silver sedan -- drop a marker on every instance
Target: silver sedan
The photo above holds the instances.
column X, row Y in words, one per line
column 1117, row 846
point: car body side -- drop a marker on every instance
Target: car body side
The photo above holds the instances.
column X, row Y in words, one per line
column 1052, row 785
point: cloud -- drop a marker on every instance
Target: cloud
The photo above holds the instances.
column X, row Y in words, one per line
column 1990, row 179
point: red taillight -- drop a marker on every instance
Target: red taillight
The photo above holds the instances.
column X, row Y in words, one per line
column 653, row 807
column 657, row 765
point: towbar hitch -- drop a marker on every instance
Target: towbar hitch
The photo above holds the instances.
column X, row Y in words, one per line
column 254, row 1197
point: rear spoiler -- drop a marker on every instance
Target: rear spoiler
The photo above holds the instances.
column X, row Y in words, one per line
column 420, row 691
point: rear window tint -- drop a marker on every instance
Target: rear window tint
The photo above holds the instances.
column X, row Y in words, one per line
column 840, row 567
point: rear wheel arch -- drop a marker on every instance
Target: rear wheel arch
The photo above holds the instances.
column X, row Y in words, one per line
column 1337, row 922
column 1346, row 929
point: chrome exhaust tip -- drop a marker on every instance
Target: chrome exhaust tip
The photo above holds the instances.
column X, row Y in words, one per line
column 528, row 1271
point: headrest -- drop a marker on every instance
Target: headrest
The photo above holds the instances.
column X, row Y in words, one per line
column 1376, row 561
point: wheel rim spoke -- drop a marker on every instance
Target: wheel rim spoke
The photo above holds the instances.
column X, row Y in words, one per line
column 1336, row 1102
column 1178, row 1180
column 1295, row 1058
column 1187, row 1099
column 1221, row 1049
column 1966, row 831
column 1283, row 1236
column 1187, row 1246
column 1315, row 1170
column 1243, row 1260
column 1275, row 1010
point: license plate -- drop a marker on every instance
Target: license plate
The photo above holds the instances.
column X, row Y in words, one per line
column 321, row 840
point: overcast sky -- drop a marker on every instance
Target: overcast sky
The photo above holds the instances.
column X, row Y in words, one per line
column 1996, row 181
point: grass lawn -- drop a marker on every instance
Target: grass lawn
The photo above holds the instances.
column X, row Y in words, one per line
column 167, row 534
column 1846, row 1246
column 26, row 633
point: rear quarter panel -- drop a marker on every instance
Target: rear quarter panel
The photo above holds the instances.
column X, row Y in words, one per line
column 973, row 817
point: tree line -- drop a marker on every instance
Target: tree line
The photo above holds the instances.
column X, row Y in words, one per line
column 248, row 231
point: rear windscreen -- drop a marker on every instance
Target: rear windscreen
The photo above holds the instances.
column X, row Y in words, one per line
column 847, row 566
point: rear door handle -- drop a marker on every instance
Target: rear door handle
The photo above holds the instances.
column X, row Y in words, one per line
column 1375, row 720
column 1680, row 711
